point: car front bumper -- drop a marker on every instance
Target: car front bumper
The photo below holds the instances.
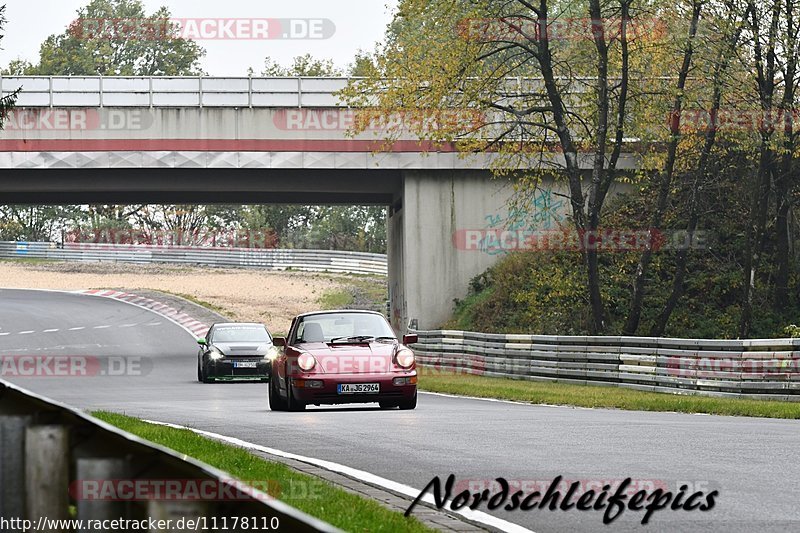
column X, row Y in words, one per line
column 227, row 368
column 306, row 391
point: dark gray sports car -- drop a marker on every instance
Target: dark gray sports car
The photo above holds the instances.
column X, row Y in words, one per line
column 235, row 351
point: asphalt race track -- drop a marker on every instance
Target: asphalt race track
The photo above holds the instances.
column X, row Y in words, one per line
column 752, row 462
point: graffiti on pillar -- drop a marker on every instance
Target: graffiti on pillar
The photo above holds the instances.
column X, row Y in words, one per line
column 542, row 212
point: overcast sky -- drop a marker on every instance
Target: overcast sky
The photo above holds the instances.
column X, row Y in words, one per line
column 359, row 24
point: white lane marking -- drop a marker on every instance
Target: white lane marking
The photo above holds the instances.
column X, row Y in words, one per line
column 513, row 402
column 573, row 407
column 77, row 329
column 128, row 325
column 102, row 327
column 4, row 334
column 153, row 324
column 475, row 516
column 24, row 332
column 51, row 330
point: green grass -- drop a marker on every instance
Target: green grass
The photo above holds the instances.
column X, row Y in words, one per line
column 607, row 397
column 339, row 299
column 309, row 494
column 28, row 260
column 198, row 301
column 359, row 292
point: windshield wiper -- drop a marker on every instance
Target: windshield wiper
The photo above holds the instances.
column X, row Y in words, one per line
column 383, row 339
column 355, row 338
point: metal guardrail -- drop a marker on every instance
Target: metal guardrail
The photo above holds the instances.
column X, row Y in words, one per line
column 163, row 91
column 760, row 368
column 270, row 259
column 48, row 449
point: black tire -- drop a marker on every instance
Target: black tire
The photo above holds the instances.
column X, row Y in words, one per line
column 291, row 403
column 410, row 404
column 276, row 403
column 206, row 377
column 202, row 376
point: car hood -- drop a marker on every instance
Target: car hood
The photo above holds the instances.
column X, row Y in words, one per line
column 233, row 349
column 375, row 357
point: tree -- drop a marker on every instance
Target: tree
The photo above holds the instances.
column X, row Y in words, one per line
column 666, row 179
column 363, row 65
column 33, row 223
column 772, row 47
column 6, row 102
column 572, row 97
column 17, row 67
column 699, row 175
column 117, row 38
column 357, row 228
column 304, row 65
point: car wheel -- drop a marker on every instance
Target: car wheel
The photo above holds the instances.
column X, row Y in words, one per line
column 409, row 404
column 199, row 372
column 204, row 377
column 291, row 403
column 275, row 401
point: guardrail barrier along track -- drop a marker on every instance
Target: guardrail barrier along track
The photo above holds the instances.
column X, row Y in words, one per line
column 759, row 368
column 47, row 450
column 270, row 259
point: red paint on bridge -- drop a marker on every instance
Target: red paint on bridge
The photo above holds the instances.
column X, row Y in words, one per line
column 219, row 145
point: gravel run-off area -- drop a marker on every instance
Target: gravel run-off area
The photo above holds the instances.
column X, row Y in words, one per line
column 273, row 298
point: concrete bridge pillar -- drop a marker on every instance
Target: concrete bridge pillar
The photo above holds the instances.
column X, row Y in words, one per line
column 432, row 257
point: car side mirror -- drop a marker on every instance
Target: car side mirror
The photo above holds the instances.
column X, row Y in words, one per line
column 410, row 339
column 202, row 342
column 279, row 341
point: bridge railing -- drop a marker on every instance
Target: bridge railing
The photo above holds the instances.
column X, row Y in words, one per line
column 270, row 259
column 164, row 91
column 761, row 368
column 206, row 91
column 53, row 456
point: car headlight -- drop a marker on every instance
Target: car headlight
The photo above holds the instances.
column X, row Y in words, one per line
column 306, row 362
column 272, row 353
column 215, row 355
column 405, row 358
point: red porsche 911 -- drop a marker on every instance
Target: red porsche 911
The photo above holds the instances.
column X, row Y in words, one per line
column 343, row 357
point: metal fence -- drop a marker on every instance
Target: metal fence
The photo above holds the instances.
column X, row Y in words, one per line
column 270, row 259
column 164, row 91
column 48, row 452
column 763, row 368
column 196, row 91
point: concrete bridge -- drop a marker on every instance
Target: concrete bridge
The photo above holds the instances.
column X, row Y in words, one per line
column 265, row 140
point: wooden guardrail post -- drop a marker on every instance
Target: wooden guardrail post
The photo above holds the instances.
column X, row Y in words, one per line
column 12, row 465
column 47, row 472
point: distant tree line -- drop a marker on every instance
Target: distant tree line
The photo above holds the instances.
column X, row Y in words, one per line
column 76, row 52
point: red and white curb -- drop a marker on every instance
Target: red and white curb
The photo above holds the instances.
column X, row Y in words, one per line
column 188, row 323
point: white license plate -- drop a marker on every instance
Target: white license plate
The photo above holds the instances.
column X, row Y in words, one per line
column 245, row 364
column 359, row 388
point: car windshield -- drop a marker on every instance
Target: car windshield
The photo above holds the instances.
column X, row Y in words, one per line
column 241, row 334
column 343, row 327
